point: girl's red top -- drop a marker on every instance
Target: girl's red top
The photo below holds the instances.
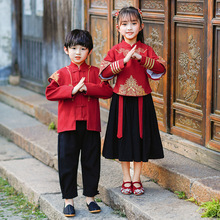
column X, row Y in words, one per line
column 132, row 78
column 81, row 106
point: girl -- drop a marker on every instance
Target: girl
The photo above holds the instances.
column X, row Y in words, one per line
column 132, row 131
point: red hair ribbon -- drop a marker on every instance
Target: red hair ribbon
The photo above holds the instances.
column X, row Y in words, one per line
column 116, row 14
column 140, row 12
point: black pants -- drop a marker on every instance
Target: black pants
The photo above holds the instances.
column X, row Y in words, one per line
column 69, row 145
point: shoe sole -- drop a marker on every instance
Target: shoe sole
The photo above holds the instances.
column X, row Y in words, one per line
column 95, row 211
column 69, row 215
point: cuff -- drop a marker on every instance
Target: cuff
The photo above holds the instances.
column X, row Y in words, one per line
column 117, row 66
column 147, row 62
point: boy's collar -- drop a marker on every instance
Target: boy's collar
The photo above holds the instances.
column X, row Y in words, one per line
column 83, row 66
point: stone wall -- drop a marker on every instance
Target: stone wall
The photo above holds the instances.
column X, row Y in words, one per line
column 5, row 40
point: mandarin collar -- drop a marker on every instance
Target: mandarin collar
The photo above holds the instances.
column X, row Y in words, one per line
column 125, row 44
column 82, row 67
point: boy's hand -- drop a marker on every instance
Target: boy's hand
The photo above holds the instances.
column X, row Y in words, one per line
column 136, row 56
column 129, row 55
column 78, row 86
column 83, row 88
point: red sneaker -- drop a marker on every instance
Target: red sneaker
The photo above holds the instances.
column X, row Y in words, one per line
column 126, row 190
column 138, row 190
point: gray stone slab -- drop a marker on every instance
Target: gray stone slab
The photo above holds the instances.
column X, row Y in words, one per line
column 157, row 203
column 29, row 134
column 52, row 206
column 31, row 177
column 9, row 151
column 184, row 166
column 14, row 118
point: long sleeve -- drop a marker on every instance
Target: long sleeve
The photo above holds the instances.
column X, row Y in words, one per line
column 54, row 92
column 110, row 67
column 152, row 65
column 102, row 90
column 155, row 66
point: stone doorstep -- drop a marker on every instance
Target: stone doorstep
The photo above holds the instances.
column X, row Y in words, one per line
column 40, row 184
column 159, row 172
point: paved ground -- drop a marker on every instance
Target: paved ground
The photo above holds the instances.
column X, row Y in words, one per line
column 9, row 211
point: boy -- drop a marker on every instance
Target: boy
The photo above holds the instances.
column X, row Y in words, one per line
column 77, row 88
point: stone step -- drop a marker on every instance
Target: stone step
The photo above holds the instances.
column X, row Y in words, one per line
column 41, row 185
column 195, row 179
column 157, row 203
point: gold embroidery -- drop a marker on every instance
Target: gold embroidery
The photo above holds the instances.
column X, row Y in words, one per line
column 153, row 61
column 103, row 65
column 122, row 50
column 131, row 88
column 70, row 75
column 55, row 77
column 125, row 51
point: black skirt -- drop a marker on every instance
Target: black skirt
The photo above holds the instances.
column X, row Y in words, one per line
column 131, row 147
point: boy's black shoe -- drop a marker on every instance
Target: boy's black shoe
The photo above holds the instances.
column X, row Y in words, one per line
column 69, row 211
column 93, row 207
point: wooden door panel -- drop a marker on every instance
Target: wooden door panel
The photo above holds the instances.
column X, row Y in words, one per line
column 215, row 115
column 190, row 8
column 99, row 4
column 217, row 7
column 156, row 35
column 98, row 26
column 118, row 4
column 188, row 58
column 189, row 65
column 152, row 6
column 100, row 37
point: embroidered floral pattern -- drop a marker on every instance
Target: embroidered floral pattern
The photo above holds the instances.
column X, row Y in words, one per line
column 131, row 88
column 55, row 77
column 126, row 190
column 103, row 65
column 125, row 51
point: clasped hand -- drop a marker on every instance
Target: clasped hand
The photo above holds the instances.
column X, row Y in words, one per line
column 132, row 54
column 80, row 87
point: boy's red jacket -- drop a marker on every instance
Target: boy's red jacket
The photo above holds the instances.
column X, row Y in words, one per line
column 81, row 106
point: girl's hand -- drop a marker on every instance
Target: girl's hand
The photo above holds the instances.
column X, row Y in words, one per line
column 78, row 86
column 136, row 56
column 129, row 55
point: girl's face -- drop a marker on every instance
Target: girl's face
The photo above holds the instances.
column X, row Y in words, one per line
column 129, row 27
column 77, row 53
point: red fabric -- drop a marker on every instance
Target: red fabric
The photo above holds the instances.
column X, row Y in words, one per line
column 132, row 79
column 120, row 117
column 140, row 110
column 81, row 106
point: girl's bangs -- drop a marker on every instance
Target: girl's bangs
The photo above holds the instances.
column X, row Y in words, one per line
column 128, row 15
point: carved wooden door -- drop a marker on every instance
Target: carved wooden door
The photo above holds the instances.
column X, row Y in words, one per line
column 213, row 76
column 188, row 62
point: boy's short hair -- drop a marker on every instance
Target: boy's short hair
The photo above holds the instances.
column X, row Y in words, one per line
column 79, row 37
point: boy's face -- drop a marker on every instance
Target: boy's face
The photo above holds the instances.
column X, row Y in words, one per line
column 77, row 53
